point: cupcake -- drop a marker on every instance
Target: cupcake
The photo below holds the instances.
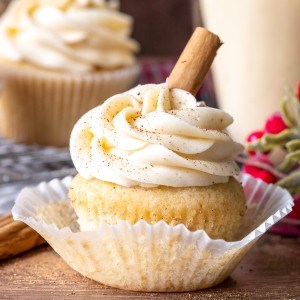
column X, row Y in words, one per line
column 154, row 154
column 59, row 59
column 148, row 257
column 156, row 206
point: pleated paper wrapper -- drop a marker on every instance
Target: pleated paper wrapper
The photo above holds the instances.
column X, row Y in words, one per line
column 41, row 107
column 144, row 257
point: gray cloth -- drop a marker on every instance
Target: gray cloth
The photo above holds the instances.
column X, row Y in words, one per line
column 22, row 165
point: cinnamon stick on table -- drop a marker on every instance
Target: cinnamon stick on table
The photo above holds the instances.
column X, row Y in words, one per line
column 188, row 74
column 16, row 237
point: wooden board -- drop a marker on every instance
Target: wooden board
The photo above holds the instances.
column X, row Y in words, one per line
column 271, row 270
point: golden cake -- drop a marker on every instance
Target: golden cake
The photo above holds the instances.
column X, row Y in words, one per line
column 217, row 208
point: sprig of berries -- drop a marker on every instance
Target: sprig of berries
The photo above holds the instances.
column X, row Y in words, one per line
column 282, row 129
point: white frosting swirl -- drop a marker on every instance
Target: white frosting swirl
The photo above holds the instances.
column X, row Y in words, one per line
column 69, row 35
column 153, row 136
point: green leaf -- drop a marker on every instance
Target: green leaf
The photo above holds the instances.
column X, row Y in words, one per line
column 293, row 145
column 269, row 141
column 291, row 182
column 285, row 113
column 290, row 160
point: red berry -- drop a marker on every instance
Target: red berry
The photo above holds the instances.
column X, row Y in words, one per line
column 295, row 213
column 267, row 177
column 275, row 123
column 298, row 94
column 260, row 173
column 249, row 170
column 255, row 135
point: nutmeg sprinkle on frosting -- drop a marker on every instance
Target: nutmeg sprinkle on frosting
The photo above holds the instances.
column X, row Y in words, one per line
column 151, row 136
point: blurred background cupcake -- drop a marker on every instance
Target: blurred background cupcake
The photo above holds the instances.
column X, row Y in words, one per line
column 59, row 59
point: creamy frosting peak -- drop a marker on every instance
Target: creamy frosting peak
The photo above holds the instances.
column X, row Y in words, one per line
column 70, row 35
column 151, row 136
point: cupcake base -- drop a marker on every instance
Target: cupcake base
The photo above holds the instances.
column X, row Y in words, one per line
column 144, row 257
column 217, row 209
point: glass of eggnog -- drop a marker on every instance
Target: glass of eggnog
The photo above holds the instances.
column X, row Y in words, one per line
column 261, row 53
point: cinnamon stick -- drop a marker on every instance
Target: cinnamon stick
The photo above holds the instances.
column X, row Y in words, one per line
column 195, row 61
column 16, row 237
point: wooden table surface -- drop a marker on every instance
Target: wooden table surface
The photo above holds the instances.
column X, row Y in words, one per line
column 271, row 270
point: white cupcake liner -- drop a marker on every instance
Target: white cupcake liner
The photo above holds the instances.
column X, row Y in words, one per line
column 144, row 257
column 38, row 106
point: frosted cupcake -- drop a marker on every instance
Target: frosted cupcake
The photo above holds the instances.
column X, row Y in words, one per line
column 58, row 60
column 155, row 196
column 153, row 154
